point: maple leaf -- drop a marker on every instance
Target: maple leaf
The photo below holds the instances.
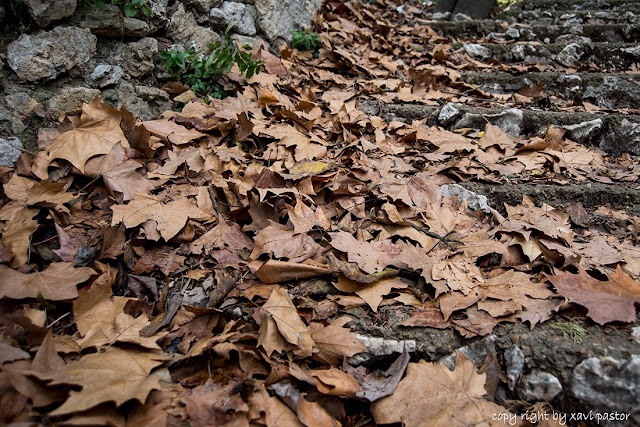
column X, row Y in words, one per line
column 117, row 375
column 287, row 320
column 98, row 131
column 609, row 301
column 17, row 232
column 57, row 282
column 334, row 342
column 431, row 394
column 170, row 217
column 282, row 243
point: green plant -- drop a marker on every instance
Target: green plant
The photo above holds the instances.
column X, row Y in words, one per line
column 571, row 331
column 306, row 40
column 202, row 73
column 129, row 7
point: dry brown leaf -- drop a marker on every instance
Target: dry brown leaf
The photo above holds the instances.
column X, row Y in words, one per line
column 334, row 342
column 170, row 217
column 289, row 324
column 610, row 301
column 17, row 233
column 117, row 375
column 57, row 282
column 432, row 395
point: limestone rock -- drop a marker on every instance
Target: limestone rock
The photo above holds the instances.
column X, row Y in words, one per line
column 448, row 114
column 279, row 19
column 539, row 386
column 204, row 6
column 475, row 201
column 615, row 92
column 10, row 151
column 106, row 75
column 134, row 27
column 607, row 384
column 45, row 55
column 582, row 132
column 184, row 28
column 510, row 121
column 570, row 54
column 69, row 99
column 136, row 58
column 623, row 138
column 44, row 12
column 107, row 22
column 477, row 51
column 514, row 359
column 243, row 15
column 144, row 102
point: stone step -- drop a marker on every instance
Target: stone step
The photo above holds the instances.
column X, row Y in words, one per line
column 494, row 30
column 575, row 4
column 591, row 195
column 558, row 17
column 606, row 56
column 571, row 86
column 614, row 133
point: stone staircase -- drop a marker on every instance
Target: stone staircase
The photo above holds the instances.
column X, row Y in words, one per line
column 575, row 51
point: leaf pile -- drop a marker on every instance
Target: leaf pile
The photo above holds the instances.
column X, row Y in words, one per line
column 204, row 267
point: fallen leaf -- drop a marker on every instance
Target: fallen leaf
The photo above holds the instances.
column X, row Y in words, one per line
column 57, row 282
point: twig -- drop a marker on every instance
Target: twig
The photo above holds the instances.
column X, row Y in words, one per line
column 214, row 201
column 440, row 238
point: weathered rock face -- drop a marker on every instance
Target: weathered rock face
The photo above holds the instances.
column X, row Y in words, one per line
column 136, row 58
column 279, row 19
column 606, row 384
column 107, row 22
column 9, row 151
column 242, row 15
column 45, row 55
column 44, row 12
column 615, row 92
column 69, row 99
column 184, row 28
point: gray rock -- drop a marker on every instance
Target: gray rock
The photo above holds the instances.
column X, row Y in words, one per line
column 539, row 386
column 461, row 17
column 106, row 75
column 570, row 54
column 476, row 352
column 514, row 360
column 10, row 151
column 43, row 12
column 615, row 92
column 244, row 17
column 441, row 16
column 635, row 51
column 573, row 38
column 448, row 114
column 46, row 55
column 572, row 84
column 378, row 346
column 184, row 28
column 510, row 121
column 21, row 106
column 204, row 6
column 477, row 51
column 512, row 33
column 623, row 138
column 518, row 52
column 134, row 27
column 69, row 99
column 107, row 22
column 475, row 201
column 253, row 42
column 583, row 132
column 635, row 333
column 144, row 102
column 606, row 384
column 278, row 19
column 136, row 58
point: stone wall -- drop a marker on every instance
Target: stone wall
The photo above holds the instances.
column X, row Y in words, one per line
column 56, row 54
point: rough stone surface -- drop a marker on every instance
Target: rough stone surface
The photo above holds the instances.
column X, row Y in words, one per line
column 136, row 58
column 615, row 92
column 378, row 346
column 607, row 384
column 107, row 22
column 69, row 99
column 144, row 102
column 44, row 12
column 184, row 28
column 106, row 75
column 570, row 54
column 476, row 352
column 9, row 151
column 279, row 19
column 510, row 121
column 244, row 17
column 204, row 6
column 582, row 132
column 514, row 360
column 624, row 138
column 448, row 114
column 46, row 55
column 475, row 201
column 134, row 27
column 477, row 51
column 539, row 386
